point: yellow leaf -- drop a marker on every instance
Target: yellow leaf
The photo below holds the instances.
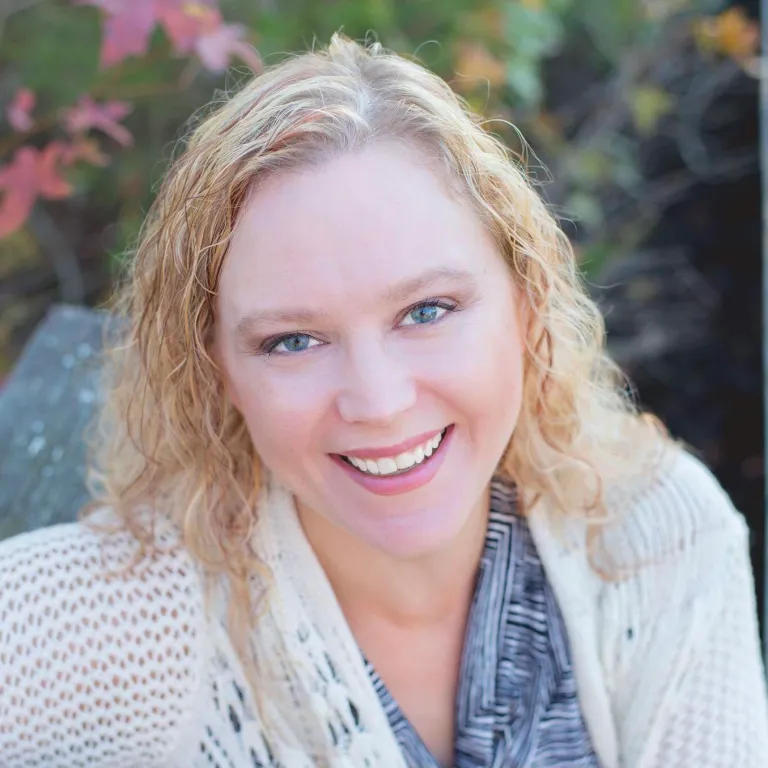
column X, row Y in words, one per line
column 474, row 62
column 732, row 33
column 535, row 5
column 649, row 104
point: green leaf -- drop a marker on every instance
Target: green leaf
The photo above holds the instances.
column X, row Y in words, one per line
column 589, row 167
column 613, row 25
column 531, row 33
column 585, row 209
column 54, row 49
column 524, row 79
column 649, row 104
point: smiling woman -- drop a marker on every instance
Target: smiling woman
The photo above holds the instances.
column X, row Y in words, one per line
column 372, row 489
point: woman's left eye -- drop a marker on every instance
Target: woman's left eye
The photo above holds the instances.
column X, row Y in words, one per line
column 426, row 313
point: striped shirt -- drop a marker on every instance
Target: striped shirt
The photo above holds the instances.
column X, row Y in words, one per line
column 516, row 704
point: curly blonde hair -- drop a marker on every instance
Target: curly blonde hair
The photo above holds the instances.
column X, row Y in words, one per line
column 168, row 438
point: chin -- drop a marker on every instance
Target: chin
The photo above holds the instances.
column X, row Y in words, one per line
column 418, row 534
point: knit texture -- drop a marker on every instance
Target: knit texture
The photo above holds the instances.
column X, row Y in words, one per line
column 132, row 672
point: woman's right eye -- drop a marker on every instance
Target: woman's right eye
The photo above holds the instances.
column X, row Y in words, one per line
column 290, row 344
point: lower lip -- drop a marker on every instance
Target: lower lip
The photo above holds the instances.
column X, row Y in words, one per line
column 409, row 481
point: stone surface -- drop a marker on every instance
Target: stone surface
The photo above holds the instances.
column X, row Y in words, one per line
column 45, row 405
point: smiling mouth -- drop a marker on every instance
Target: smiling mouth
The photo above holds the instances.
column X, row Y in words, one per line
column 392, row 466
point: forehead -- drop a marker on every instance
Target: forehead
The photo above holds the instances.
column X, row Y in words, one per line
column 350, row 227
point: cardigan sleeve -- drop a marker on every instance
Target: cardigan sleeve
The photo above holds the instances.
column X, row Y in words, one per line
column 719, row 719
column 94, row 671
column 684, row 664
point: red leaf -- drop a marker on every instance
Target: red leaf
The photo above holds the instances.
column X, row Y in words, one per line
column 18, row 181
column 87, row 114
column 127, row 28
column 185, row 20
column 84, row 149
column 196, row 25
column 216, row 48
column 50, row 183
column 191, row 26
column 18, row 111
column 31, row 174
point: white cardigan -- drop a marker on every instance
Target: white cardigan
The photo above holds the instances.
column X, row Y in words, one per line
column 110, row 673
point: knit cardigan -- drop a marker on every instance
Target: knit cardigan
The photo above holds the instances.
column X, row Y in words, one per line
column 134, row 671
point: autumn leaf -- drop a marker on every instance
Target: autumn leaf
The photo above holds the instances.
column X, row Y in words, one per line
column 215, row 49
column 474, row 62
column 732, row 33
column 18, row 182
column 192, row 26
column 184, row 22
column 84, row 149
column 30, row 175
column 18, row 111
column 198, row 27
column 127, row 28
column 87, row 114
column 50, row 182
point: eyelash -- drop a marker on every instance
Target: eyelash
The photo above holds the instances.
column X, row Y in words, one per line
column 268, row 346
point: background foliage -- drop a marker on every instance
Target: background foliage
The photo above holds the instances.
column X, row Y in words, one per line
column 96, row 92
column 640, row 118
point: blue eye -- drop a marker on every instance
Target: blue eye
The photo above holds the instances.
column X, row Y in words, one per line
column 294, row 342
column 426, row 313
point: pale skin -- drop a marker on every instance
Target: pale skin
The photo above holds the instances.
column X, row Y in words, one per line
column 363, row 303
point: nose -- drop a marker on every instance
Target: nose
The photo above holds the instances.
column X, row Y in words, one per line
column 376, row 387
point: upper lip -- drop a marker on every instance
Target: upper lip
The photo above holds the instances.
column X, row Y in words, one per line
column 394, row 450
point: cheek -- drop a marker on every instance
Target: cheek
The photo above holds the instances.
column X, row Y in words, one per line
column 480, row 368
column 281, row 412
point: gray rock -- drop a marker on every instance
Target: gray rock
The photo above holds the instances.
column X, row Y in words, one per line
column 45, row 406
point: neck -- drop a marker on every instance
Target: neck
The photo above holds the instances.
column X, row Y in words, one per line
column 405, row 592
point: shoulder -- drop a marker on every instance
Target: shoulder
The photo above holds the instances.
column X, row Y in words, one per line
column 79, row 558
column 673, row 511
column 84, row 644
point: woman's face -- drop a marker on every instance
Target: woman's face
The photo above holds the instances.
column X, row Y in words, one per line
column 369, row 334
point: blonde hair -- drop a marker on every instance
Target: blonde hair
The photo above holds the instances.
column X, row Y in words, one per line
column 169, row 439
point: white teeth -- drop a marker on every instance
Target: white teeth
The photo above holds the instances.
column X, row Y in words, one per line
column 386, row 466
column 405, row 460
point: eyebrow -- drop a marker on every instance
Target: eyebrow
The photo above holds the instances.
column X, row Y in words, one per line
column 400, row 291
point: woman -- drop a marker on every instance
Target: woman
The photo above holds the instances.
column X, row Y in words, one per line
column 369, row 492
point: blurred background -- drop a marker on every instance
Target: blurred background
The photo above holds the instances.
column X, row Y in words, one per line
column 642, row 121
